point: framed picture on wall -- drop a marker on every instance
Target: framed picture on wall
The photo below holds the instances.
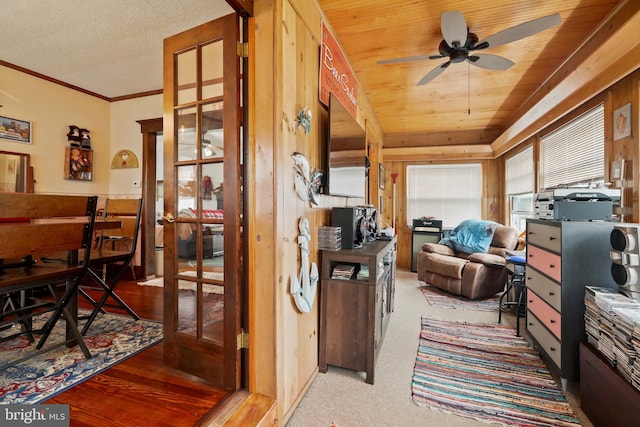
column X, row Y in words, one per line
column 617, row 170
column 622, row 122
column 15, row 130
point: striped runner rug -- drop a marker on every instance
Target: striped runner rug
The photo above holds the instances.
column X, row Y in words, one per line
column 484, row 371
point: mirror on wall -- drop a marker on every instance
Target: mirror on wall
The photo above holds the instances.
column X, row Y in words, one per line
column 15, row 172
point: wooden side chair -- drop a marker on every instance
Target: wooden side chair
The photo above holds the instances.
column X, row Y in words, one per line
column 109, row 256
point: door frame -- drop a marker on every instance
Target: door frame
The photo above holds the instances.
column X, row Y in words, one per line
column 150, row 128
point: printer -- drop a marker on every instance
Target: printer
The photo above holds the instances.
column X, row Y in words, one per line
column 580, row 204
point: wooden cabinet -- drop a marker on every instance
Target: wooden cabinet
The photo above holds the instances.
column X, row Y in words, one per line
column 78, row 164
column 562, row 258
column 605, row 396
column 354, row 313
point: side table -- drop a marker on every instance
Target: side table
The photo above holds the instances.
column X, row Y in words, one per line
column 516, row 286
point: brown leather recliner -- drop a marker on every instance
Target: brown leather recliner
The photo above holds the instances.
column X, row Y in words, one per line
column 476, row 275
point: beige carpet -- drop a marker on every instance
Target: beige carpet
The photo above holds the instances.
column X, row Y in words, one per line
column 342, row 397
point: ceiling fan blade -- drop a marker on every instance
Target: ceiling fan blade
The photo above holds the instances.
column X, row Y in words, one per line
column 490, row 62
column 520, row 31
column 454, row 28
column 433, row 73
column 405, row 59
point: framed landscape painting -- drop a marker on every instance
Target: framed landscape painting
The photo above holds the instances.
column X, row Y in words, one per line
column 15, row 130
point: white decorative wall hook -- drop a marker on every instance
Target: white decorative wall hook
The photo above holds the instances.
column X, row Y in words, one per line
column 304, row 286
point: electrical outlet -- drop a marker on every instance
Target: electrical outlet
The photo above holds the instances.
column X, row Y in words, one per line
column 136, row 184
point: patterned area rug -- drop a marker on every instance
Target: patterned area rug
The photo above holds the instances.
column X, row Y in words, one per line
column 439, row 298
column 111, row 339
column 483, row 371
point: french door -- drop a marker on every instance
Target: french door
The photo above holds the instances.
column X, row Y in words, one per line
column 202, row 201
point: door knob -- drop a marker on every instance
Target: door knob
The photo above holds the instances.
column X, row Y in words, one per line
column 169, row 218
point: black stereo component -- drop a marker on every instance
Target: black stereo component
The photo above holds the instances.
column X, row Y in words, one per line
column 353, row 224
column 425, row 230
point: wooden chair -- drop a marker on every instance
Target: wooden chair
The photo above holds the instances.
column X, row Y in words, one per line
column 45, row 241
column 107, row 256
column 125, row 211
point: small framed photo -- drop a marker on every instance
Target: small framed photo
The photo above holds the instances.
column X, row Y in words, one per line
column 617, row 170
column 15, row 130
column 381, row 176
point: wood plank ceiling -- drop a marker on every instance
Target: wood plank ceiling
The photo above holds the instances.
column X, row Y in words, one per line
column 465, row 105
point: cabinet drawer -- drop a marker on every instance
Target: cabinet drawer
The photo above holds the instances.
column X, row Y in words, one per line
column 547, row 262
column 544, row 235
column 546, row 288
column 545, row 339
column 545, row 313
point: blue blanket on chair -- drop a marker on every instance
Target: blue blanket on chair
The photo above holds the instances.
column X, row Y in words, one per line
column 471, row 236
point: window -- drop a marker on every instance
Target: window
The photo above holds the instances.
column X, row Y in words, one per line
column 520, row 188
column 451, row 193
column 574, row 153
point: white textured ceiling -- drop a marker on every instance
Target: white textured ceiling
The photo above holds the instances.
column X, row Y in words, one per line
column 109, row 47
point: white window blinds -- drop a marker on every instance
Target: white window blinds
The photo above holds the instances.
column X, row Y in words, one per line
column 451, row 193
column 520, row 173
column 574, row 153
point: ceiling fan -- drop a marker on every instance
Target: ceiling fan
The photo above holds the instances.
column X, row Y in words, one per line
column 459, row 42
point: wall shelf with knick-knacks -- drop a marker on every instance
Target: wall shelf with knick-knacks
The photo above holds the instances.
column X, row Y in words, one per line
column 78, row 158
column 78, row 164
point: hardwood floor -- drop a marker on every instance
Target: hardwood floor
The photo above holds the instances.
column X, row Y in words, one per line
column 141, row 391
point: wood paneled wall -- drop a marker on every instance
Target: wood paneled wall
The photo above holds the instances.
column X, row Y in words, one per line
column 625, row 91
column 284, row 341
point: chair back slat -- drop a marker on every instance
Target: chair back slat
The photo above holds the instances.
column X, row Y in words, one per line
column 31, row 205
column 29, row 239
column 129, row 213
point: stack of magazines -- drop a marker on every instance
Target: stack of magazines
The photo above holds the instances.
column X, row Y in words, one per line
column 343, row 272
column 612, row 323
column 329, row 238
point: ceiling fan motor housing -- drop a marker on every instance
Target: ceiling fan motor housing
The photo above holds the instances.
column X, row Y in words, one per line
column 458, row 54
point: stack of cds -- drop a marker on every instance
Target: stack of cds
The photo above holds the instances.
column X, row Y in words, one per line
column 612, row 323
column 329, row 238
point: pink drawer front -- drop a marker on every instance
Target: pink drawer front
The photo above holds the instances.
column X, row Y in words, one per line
column 543, row 311
column 546, row 262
